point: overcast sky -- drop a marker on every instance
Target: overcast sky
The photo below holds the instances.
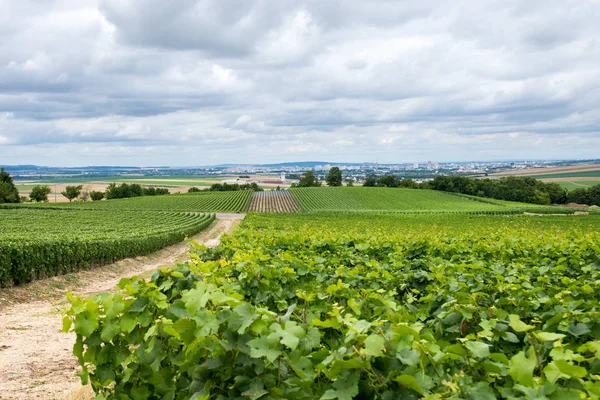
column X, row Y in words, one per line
column 197, row 82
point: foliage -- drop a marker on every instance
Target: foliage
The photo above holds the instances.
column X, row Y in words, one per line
column 96, row 196
column 226, row 187
column 334, row 177
column 125, row 190
column 42, row 243
column 521, row 189
column 390, row 181
column 8, row 190
column 306, row 308
column 308, row 180
column 589, row 196
column 72, row 192
column 40, row 193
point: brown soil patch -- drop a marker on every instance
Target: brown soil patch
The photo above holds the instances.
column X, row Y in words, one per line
column 35, row 356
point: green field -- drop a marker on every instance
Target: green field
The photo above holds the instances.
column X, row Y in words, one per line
column 576, row 174
column 40, row 243
column 194, row 202
column 385, row 199
column 578, row 184
column 361, row 306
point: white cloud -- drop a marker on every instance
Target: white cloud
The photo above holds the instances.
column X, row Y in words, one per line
column 257, row 81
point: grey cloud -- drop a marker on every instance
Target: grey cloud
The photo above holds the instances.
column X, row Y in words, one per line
column 290, row 79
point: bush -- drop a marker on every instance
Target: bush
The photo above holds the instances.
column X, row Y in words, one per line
column 96, row 196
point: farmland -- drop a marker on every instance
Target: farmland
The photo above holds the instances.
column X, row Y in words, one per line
column 360, row 306
column 193, row 202
column 276, row 201
column 386, row 199
column 570, row 184
column 41, row 243
column 326, row 293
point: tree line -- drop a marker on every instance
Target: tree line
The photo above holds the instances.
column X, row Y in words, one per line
column 39, row 193
column 227, row 187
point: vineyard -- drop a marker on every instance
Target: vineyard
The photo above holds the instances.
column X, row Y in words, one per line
column 42, row 243
column 233, row 202
column 276, row 201
column 385, row 199
column 329, row 306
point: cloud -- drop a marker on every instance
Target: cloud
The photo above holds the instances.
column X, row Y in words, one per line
column 259, row 81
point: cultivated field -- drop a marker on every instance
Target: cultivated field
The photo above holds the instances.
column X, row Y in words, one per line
column 42, row 243
column 363, row 293
column 362, row 306
column 277, row 201
column 175, row 183
column 192, row 202
column 386, row 199
column 570, row 171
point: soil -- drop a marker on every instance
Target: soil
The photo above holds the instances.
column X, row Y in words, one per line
column 35, row 356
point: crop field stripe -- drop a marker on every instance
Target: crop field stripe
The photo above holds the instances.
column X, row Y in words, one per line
column 274, row 201
column 42, row 243
column 385, row 199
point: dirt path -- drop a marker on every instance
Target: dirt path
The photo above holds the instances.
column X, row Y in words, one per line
column 35, row 356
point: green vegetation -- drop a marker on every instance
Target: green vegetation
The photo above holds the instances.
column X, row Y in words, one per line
column 40, row 193
column 577, row 184
column 334, row 177
column 385, row 199
column 193, row 202
column 575, row 174
column 125, row 190
column 520, row 189
column 589, row 196
column 96, row 196
column 322, row 306
column 72, row 192
column 308, row 180
column 391, row 181
column 42, row 243
column 8, row 191
column 227, row 187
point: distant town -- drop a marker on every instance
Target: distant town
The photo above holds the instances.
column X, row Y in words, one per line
column 357, row 172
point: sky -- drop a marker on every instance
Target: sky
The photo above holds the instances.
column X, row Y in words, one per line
column 202, row 82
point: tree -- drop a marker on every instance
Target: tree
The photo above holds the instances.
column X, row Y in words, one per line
column 71, row 192
column 350, row 184
column 85, row 193
column 308, row 180
column 8, row 190
column 96, row 196
column 370, row 181
column 40, row 193
column 334, row 177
